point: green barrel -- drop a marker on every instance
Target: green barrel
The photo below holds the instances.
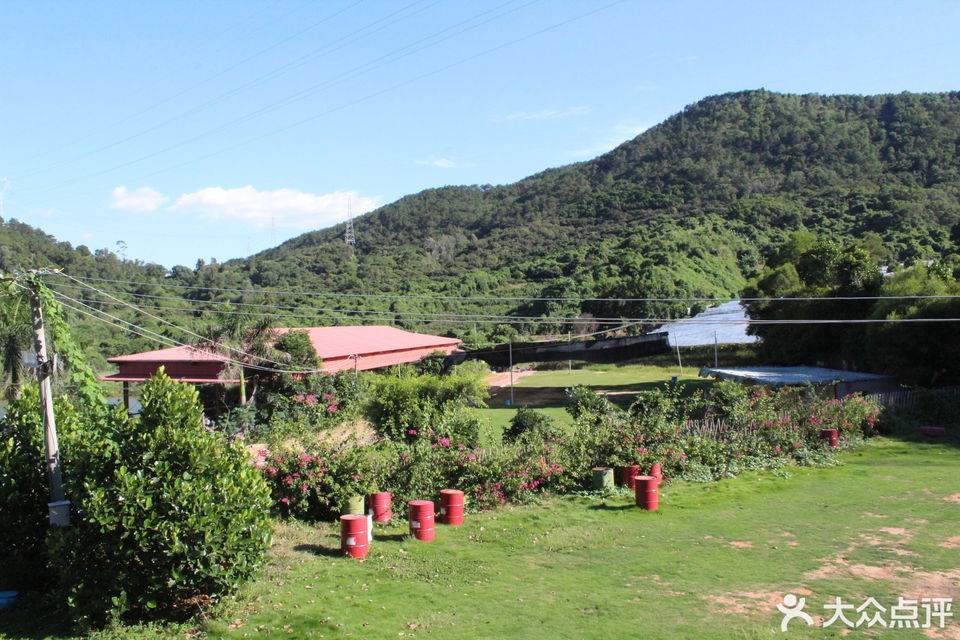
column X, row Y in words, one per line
column 602, row 478
column 355, row 505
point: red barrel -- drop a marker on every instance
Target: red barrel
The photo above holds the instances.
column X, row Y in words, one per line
column 934, row 432
column 625, row 475
column 657, row 472
column 451, row 507
column 378, row 505
column 647, row 492
column 420, row 514
column 354, row 540
column 832, row 435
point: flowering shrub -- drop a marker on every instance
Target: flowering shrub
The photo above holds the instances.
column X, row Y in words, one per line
column 315, row 485
column 289, row 407
column 764, row 429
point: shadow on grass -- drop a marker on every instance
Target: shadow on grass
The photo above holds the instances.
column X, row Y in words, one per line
column 391, row 537
column 320, row 550
column 612, row 507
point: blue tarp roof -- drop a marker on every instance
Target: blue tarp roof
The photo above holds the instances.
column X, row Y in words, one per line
column 727, row 321
column 776, row 376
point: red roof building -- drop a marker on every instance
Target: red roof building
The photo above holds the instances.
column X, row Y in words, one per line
column 340, row 348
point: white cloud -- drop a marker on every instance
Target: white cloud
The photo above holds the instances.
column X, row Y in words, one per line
column 141, row 199
column 443, row 163
column 612, row 138
column 545, row 114
column 281, row 207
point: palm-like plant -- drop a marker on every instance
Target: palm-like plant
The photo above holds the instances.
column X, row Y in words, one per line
column 16, row 336
column 244, row 342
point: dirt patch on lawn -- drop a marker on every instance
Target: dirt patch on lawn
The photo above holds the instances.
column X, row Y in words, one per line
column 950, row 543
column 751, row 602
column 742, row 545
column 954, row 498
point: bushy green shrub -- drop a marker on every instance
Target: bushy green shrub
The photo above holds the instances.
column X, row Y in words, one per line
column 407, row 407
column 173, row 518
column 529, row 425
column 583, row 402
column 24, row 491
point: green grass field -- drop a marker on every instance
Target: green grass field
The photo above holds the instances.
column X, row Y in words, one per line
column 712, row 563
column 544, row 391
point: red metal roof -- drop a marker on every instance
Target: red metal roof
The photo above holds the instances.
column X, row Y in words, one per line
column 173, row 354
column 338, row 342
column 373, row 346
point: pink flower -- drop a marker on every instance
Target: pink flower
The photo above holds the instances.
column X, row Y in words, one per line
column 412, row 432
column 445, row 442
column 472, row 456
column 285, row 500
column 777, row 448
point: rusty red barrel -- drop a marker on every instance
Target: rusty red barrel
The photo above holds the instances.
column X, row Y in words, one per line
column 378, row 505
column 647, row 490
column 420, row 514
column 657, row 472
column 832, row 435
column 934, row 432
column 451, row 507
column 354, row 541
column 626, row 474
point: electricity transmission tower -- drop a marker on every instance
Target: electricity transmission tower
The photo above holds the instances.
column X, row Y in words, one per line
column 349, row 236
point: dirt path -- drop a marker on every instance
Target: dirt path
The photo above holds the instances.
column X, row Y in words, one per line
column 499, row 380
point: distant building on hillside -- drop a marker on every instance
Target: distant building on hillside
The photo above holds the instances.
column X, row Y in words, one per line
column 340, row 348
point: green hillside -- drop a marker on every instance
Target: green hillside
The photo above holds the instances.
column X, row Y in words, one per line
column 689, row 208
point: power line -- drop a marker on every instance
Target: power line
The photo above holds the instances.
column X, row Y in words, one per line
column 508, row 298
column 451, row 318
column 464, row 316
column 167, row 341
column 204, row 339
column 303, row 93
column 360, row 100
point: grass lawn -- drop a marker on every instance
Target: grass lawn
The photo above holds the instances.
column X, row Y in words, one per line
column 712, row 563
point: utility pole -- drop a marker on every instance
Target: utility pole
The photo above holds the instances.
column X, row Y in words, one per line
column 511, row 373
column 59, row 507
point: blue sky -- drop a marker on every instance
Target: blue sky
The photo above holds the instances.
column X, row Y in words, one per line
column 207, row 129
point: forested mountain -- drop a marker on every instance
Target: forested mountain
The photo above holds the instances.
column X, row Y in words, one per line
column 689, row 208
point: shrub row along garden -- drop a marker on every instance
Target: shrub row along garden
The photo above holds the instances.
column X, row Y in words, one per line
column 430, row 443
